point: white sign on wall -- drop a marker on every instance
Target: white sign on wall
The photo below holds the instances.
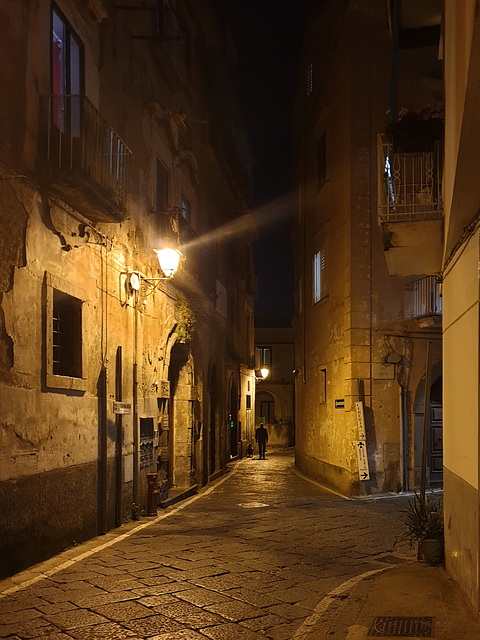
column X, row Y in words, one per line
column 361, row 443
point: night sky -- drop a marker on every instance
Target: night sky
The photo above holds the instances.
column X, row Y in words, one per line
column 266, row 34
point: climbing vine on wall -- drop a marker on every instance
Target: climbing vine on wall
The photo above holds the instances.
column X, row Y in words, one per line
column 186, row 319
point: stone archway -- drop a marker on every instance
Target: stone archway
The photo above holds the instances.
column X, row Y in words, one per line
column 181, row 446
column 434, row 455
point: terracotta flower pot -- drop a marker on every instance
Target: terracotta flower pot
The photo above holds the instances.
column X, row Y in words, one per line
column 432, row 551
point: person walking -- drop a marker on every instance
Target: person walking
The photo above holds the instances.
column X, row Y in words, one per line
column 261, row 436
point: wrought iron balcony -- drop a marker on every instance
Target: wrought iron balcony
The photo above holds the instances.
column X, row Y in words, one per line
column 410, row 185
column 410, row 208
column 427, row 305
column 87, row 161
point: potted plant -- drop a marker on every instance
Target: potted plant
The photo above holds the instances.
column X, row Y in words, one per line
column 415, row 129
column 423, row 519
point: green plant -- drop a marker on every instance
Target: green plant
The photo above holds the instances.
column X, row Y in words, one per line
column 186, row 319
column 423, row 519
column 135, row 510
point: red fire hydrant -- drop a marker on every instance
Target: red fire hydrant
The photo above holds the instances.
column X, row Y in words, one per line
column 152, row 494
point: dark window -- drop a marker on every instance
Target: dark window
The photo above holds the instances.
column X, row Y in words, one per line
column 146, row 442
column 322, row 161
column 186, row 209
column 249, row 401
column 267, row 410
column 67, row 335
column 265, row 356
column 161, row 189
column 66, row 74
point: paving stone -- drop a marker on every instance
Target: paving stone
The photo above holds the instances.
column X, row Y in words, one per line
column 50, row 636
column 153, row 625
column 28, row 629
column 88, row 602
column 19, row 603
column 190, row 615
column 74, row 576
column 109, row 631
column 56, row 607
column 264, row 622
column 289, row 611
column 185, row 634
column 115, row 582
column 293, row 595
column 283, row 631
column 119, row 611
column 215, row 583
column 202, row 597
column 253, row 597
column 77, row 618
column 151, row 582
column 235, row 610
column 231, row 632
column 156, row 601
column 18, row 616
column 169, row 587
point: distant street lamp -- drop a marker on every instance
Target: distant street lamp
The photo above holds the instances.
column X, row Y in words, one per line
column 261, row 374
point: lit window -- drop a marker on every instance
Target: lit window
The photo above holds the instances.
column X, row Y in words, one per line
column 319, row 283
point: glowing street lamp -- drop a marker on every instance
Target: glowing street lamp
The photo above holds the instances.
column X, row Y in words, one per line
column 169, row 260
column 261, row 374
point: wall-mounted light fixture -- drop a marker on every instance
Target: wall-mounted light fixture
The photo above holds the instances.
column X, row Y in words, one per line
column 261, row 374
column 169, row 259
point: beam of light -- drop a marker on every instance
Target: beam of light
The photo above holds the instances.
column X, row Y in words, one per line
column 252, row 223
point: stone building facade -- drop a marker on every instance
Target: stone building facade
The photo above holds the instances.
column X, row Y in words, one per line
column 461, row 295
column 115, row 144
column 274, row 397
column 365, row 319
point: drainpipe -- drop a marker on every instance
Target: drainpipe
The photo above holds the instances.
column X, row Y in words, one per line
column 403, row 437
column 426, row 414
column 102, row 466
column 119, row 440
column 136, row 437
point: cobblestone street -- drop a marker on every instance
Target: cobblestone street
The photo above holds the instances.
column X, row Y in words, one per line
column 251, row 557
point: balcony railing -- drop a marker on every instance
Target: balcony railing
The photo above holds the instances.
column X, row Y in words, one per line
column 81, row 143
column 410, row 184
column 427, row 298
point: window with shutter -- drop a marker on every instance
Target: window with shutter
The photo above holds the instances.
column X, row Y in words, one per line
column 319, row 281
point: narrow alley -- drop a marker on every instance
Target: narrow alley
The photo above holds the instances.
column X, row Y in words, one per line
column 253, row 556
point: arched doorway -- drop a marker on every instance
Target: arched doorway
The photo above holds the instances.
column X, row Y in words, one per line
column 434, row 451
column 435, row 434
column 264, row 407
column 181, row 418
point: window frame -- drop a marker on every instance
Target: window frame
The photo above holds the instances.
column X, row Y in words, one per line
column 66, row 112
column 262, row 352
column 54, row 380
column 319, row 281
